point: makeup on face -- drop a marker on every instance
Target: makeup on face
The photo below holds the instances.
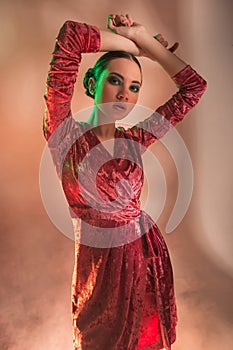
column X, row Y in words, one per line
column 118, row 88
column 115, row 78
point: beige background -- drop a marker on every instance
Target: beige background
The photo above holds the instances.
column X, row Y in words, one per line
column 36, row 259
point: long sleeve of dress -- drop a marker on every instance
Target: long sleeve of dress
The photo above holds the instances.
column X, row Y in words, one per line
column 74, row 38
column 191, row 88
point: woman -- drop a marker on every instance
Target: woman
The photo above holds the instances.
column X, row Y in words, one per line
column 122, row 286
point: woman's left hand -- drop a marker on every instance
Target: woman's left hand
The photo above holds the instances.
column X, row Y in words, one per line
column 125, row 26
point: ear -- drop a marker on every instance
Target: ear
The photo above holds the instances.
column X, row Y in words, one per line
column 91, row 85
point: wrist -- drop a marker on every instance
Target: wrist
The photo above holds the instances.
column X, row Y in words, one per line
column 144, row 40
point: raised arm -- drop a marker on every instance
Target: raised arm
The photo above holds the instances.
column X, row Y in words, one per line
column 73, row 40
column 191, row 85
column 153, row 49
column 191, row 88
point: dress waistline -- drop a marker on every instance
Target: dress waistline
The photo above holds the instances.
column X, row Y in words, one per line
column 105, row 219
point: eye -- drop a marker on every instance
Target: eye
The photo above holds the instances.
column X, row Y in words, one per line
column 134, row 88
column 114, row 81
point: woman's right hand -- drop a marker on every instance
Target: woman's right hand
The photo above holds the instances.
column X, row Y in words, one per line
column 125, row 26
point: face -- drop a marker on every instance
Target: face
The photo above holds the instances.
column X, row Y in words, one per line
column 117, row 89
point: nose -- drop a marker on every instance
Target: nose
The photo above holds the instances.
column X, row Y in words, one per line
column 123, row 94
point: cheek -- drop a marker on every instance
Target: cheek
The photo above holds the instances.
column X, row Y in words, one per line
column 134, row 98
column 106, row 92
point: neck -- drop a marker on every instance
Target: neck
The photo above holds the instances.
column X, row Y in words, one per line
column 102, row 126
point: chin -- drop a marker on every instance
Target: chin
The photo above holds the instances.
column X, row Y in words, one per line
column 115, row 110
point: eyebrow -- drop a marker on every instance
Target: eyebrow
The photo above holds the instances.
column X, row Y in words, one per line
column 120, row 76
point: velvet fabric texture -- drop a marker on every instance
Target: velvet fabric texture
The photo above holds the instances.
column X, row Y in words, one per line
column 122, row 286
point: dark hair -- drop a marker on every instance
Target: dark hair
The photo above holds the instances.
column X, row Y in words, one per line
column 102, row 63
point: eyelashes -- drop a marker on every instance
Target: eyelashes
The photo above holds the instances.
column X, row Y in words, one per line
column 134, row 88
column 116, row 81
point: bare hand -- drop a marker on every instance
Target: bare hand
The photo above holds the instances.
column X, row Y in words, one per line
column 161, row 39
column 125, row 26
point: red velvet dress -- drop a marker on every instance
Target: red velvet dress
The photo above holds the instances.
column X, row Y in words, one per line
column 122, row 295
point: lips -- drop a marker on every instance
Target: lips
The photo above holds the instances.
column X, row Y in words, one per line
column 120, row 107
